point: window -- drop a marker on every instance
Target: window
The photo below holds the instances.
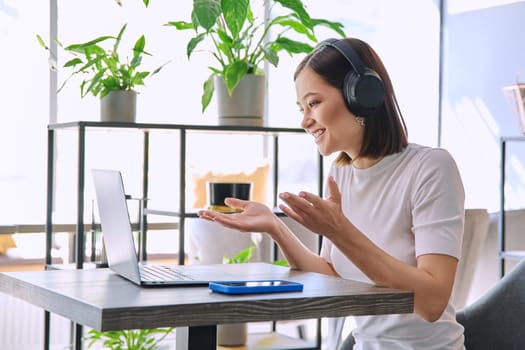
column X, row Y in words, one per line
column 407, row 44
column 24, row 90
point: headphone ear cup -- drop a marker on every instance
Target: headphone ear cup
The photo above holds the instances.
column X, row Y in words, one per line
column 363, row 93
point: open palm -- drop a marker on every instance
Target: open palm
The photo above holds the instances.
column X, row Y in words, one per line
column 255, row 217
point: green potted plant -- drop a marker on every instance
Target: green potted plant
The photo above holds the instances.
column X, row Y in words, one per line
column 241, row 41
column 133, row 339
column 108, row 75
column 241, row 257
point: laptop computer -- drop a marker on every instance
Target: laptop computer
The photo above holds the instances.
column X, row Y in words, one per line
column 120, row 245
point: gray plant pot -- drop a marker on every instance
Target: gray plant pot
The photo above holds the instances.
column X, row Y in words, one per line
column 232, row 334
column 119, row 106
column 246, row 104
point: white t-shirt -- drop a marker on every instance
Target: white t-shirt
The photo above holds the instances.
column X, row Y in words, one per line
column 409, row 204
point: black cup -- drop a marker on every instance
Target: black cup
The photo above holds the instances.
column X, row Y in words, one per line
column 218, row 191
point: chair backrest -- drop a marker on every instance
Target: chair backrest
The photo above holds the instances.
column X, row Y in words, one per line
column 474, row 234
column 496, row 320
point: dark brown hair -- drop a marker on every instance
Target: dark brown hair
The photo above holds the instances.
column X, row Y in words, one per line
column 385, row 130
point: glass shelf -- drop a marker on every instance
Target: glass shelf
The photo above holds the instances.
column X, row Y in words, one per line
column 187, row 127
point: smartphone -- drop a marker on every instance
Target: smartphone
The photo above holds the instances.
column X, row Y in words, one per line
column 262, row 286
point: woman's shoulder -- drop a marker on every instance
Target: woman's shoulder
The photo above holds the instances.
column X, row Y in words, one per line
column 414, row 156
column 432, row 161
column 428, row 154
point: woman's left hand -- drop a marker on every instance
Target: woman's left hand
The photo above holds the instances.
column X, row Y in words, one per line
column 322, row 216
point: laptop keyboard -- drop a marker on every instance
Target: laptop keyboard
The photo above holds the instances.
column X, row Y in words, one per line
column 162, row 273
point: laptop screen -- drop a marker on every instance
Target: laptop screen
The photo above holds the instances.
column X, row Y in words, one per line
column 116, row 226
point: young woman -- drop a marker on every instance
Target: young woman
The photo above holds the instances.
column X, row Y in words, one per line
column 393, row 211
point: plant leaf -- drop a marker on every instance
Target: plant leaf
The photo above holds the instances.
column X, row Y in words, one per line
column 297, row 7
column 139, row 46
column 41, row 42
column 96, row 51
column 136, row 61
column 225, row 38
column 142, row 75
column 93, row 83
column 234, row 73
column 73, row 62
column 283, row 262
column 235, row 13
column 180, row 25
column 250, row 14
column 159, row 68
column 119, row 38
column 115, row 83
column 139, row 339
column 207, row 12
column 226, row 45
column 335, row 26
column 192, row 44
column 271, row 56
column 291, row 46
column 241, row 257
column 80, row 47
column 194, row 20
column 207, row 94
column 290, row 22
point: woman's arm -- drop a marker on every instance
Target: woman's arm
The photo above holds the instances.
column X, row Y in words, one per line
column 296, row 253
column 431, row 280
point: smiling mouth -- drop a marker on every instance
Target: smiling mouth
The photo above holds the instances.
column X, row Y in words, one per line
column 318, row 133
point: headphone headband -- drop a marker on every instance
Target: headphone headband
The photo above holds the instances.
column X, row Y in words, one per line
column 348, row 52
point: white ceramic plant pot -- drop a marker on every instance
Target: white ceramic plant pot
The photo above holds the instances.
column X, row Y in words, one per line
column 232, row 334
column 119, row 106
column 246, row 104
column 210, row 242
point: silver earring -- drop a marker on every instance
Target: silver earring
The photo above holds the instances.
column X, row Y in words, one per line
column 360, row 120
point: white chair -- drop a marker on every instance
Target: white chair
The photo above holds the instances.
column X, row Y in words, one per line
column 487, row 272
column 474, row 235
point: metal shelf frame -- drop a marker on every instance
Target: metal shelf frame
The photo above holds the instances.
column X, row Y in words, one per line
column 502, row 253
column 81, row 128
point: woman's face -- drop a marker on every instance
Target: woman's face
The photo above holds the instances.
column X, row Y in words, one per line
column 325, row 115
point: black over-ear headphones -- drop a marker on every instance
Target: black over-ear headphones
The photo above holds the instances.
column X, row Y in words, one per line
column 363, row 88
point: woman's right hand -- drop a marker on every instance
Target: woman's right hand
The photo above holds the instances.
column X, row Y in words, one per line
column 254, row 217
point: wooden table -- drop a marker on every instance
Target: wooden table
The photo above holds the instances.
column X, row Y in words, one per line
column 99, row 299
